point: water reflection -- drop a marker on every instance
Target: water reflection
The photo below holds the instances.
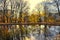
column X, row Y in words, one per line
column 28, row 32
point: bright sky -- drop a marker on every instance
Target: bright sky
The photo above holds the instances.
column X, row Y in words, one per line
column 33, row 3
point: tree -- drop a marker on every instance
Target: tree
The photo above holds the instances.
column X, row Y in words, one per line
column 38, row 8
column 57, row 4
column 22, row 8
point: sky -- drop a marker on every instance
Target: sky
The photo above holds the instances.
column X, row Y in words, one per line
column 33, row 3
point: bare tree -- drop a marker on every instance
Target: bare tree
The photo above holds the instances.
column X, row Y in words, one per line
column 5, row 9
column 22, row 7
column 57, row 4
column 4, row 6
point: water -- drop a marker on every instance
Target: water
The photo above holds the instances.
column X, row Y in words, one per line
column 34, row 33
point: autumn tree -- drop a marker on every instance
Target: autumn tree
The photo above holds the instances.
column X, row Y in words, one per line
column 38, row 8
column 40, row 11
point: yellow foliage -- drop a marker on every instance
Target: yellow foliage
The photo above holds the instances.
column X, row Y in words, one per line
column 51, row 19
column 26, row 38
column 42, row 14
column 33, row 18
